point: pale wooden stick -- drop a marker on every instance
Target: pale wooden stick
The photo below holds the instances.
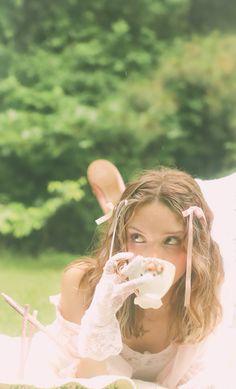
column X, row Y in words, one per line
column 23, row 345
column 30, row 336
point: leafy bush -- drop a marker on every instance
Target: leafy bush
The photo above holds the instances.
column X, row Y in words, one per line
column 20, row 221
column 184, row 115
column 116, row 80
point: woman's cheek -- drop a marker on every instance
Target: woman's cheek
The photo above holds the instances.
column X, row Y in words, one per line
column 131, row 246
column 134, row 248
column 180, row 265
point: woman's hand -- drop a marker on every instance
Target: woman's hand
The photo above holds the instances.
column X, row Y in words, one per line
column 113, row 288
column 100, row 334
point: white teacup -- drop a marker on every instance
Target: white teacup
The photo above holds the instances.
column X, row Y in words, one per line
column 158, row 276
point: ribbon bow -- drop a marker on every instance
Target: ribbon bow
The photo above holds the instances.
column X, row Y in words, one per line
column 198, row 212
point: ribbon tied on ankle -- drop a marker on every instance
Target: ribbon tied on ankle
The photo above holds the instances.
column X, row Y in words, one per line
column 190, row 212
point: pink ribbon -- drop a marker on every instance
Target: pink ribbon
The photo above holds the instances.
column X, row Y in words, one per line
column 198, row 212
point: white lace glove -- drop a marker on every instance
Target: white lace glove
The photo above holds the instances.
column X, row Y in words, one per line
column 100, row 335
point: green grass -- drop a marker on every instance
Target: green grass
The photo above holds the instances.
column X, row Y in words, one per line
column 29, row 281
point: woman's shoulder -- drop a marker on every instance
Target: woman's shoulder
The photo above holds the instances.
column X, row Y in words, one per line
column 75, row 271
column 74, row 296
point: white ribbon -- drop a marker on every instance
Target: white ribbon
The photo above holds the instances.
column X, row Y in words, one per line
column 107, row 216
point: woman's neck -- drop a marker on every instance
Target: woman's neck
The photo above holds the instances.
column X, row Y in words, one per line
column 163, row 313
column 155, row 334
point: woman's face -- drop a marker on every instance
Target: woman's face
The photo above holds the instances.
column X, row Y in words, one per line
column 155, row 231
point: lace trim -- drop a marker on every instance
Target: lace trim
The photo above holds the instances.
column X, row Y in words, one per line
column 99, row 343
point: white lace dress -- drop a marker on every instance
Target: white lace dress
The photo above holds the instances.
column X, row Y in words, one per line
column 146, row 366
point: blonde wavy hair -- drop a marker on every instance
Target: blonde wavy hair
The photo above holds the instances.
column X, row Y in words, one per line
column 178, row 191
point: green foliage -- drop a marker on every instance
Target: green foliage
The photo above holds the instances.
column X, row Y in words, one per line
column 121, row 80
column 185, row 114
column 56, row 24
column 208, row 15
column 20, row 221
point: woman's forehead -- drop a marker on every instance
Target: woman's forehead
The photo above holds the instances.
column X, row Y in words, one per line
column 156, row 215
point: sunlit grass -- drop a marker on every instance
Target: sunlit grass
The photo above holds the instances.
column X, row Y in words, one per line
column 29, row 280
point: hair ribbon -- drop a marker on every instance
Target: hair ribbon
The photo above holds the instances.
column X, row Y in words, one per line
column 118, row 210
column 190, row 212
column 107, row 216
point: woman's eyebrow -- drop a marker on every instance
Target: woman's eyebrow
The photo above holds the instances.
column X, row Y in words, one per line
column 135, row 228
column 174, row 232
column 179, row 232
column 171, row 233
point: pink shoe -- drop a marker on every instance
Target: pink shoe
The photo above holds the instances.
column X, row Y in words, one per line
column 106, row 182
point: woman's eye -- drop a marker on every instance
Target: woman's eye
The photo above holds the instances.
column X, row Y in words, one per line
column 137, row 238
column 172, row 240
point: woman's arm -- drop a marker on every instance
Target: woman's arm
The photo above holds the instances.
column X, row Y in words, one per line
column 73, row 299
column 73, row 305
column 99, row 336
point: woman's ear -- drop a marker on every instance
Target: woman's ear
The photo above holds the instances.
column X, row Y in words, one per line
column 106, row 183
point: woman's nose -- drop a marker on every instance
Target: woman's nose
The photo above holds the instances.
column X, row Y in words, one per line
column 154, row 250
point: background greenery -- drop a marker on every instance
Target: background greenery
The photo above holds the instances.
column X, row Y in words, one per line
column 139, row 82
column 30, row 282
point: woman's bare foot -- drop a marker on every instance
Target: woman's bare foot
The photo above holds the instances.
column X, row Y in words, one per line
column 106, row 182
